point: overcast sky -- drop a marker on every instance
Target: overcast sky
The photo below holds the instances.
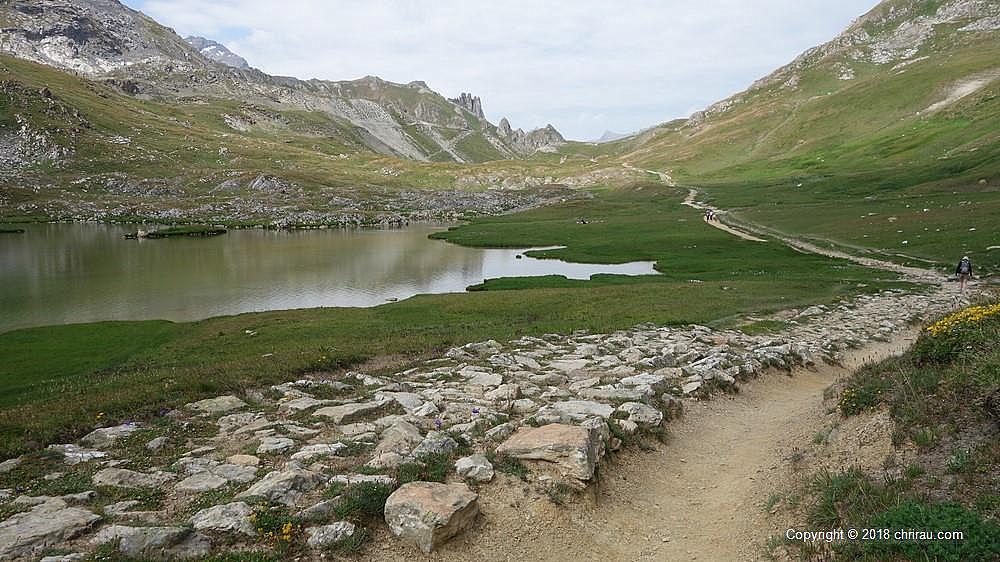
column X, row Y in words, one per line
column 585, row 66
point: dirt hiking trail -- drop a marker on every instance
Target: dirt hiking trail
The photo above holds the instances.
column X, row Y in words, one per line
column 700, row 496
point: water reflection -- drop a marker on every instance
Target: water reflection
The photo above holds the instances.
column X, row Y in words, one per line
column 64, row 273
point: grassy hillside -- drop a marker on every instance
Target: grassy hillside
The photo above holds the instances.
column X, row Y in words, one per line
column 882, row 155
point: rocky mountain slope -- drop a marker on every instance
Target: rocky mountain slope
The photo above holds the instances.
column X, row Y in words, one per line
column 217, row 52
column 104, row 40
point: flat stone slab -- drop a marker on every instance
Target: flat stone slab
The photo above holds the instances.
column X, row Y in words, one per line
column 327, row 535
column 107, row 436
column 28, row 534
column 218, row 405
column 73, row 454
column 123, row 478
column 575, row 450
column 349, row 413
column 285, row 486
column 274, row 445
column 155, row 543
column 582, row 409
column 229, row 518
column 428, row 513
column 319, row 450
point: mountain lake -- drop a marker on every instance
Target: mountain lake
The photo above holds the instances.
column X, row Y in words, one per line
column 62, row 273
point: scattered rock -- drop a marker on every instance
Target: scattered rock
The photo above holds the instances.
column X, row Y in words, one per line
column 571, row 448
column 274, row 445
column 327, row 535
column 157, row 443
column 229, row 518
column 349, row 413
column 475, row 467
column 106, row 437
column 285, row 486
column 123, row 478
column 427, row 513
column 28, row 534
column 73, row 454
column 156, row 543
column 9, row 465
column 219, row 405
column 319, row 450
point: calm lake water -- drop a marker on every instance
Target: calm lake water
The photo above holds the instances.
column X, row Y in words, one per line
column 68, row 273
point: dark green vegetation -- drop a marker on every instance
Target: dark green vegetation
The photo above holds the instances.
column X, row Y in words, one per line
column 5, row 230
column 187, row 230
column 132, row 369
column 943, row 396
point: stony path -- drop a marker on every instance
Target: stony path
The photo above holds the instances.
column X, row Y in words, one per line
column 190, row 482
column 692, row 201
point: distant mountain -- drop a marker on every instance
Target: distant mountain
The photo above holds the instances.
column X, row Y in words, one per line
column 104, row 40
column 611, row 136
column 217, row 52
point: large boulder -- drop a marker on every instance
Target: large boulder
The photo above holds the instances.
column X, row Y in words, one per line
column 28, row 534
column 427, row 513
column 574, row 450
column 154, row 543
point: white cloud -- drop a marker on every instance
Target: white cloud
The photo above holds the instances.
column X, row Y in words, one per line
column 583, row 65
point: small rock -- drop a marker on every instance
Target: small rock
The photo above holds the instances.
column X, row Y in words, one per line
column 9, row 465
column 273, row 445
column 218, row 405
column 74, row 557
column 320, row 511
column 427, row 513
column 319, row 450
column 107, row 436
column 158, row 443
column 435, row 443
column 641, row 414
column 475, row 467
column 327, row 535
column 243, row 460
column 73, row 454
column 349, row 413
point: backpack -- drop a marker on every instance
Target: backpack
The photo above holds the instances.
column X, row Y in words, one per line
column 964, row 267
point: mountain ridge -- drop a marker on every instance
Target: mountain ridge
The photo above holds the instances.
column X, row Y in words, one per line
column 105, row 40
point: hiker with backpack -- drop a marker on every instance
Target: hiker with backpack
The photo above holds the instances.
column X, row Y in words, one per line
column 964, row 271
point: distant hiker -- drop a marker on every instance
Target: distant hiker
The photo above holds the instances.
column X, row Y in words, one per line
column 964, row 271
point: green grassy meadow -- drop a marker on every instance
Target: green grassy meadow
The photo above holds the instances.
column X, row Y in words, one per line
column 128, row 370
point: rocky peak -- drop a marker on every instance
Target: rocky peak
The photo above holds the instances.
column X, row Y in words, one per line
column 504, row 128
column 91, row 37
column 544, row 139
column 470, row 103
column 217, row 52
